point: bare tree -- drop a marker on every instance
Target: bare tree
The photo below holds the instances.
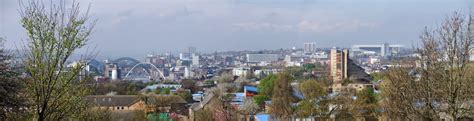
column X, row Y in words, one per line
column 55, row 32
column 249, row 107
column 440, row 86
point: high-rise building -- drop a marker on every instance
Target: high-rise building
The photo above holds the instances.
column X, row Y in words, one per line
column 309, row 47
column 112, row 71
column 185, row 56
column 191, row 50
column 338, row 64
column 195, row 61
column 261, row 58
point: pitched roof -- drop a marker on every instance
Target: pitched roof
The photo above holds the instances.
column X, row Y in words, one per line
column 358, row 73
column 173, row 99
column 113, row 100
column 251, row 88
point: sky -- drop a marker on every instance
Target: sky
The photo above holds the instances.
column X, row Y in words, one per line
column 140, row 27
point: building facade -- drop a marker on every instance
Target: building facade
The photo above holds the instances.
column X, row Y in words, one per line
column 338, row 64
column 379, row 50
column 309, row 47
column 112, row 71
column 256, row 58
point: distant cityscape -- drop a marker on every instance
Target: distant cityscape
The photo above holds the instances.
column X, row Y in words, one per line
column 195, row 65
column 51, row 78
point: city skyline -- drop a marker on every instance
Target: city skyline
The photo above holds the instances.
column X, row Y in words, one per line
column 146, row 26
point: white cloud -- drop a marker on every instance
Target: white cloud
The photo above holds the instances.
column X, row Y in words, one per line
column 308, row 26
column 337, row 26
column 263, row 26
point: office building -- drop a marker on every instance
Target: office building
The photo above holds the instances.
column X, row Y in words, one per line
column 338, row 64
column 256, row 58
column 195, row 61
column 309, row 47
column 184, row 56
column 343, row 68
column 383, row 50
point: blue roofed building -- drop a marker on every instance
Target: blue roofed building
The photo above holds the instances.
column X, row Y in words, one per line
column 250, row 91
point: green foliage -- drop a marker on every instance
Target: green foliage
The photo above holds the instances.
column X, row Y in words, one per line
column 204, row 115
column 260, row 99
column 55, row 31
column 312, row 89
column 121, row 87
column 377, row 76
column 209, row 82
column 139, row 115
column 266, row 85
column 158, row 91
column 314, row 103
column 96, row 115
column 186, row 95
column 131, row 90
column 309, row 67
column 282, row 97
column 295, row 72
column 366, row 104
column 10, row 88
column 166, row 91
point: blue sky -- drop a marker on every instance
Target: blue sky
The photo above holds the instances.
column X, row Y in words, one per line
column 138, row 27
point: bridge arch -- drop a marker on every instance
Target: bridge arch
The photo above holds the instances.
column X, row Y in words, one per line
column 127, row 59
column 146, row 63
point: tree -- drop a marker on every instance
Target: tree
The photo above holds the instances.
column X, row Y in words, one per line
column 377, row 76
column 186, row 95
column 189, row 84
column 96, row 114
column 249, row 107
column 282, row 97
column 260, row 99
column 314, row 104
column 309, row 67
column 10, row 87
column 440, row 83
column 266, row 85
column 131, row 89
column 203, row 115
column 166, row 91
column 220, row 106
column 158, row 91
column 224, row 78
column 366, row 104
column 54, row 32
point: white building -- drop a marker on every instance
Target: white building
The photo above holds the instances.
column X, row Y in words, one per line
column 380, row 50
column 293, row 61
column 184, row 56
column 471, row 56
column 320, row 55
column 241, row 71
column 195, row 60
column 255, row 58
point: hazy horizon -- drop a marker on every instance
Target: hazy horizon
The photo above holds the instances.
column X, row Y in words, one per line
column 140, row 27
